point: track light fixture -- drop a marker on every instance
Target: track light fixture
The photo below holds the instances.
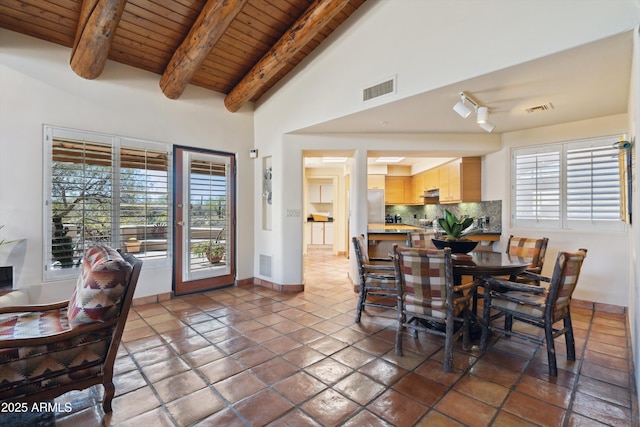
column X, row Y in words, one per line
column 481, row 115
column 460, row 107
column 482, row 112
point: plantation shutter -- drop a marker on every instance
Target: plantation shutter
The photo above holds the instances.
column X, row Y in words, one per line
column 144, row 195
column 537, row 187
column 593, row 183
column 81, row 199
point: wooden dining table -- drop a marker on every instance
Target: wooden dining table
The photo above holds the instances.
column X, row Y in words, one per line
column 479, row 264
column 485, row 263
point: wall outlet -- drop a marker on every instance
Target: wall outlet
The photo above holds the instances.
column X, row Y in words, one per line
column 293, row 212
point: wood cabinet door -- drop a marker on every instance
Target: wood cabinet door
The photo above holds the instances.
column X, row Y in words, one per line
column 394, row 190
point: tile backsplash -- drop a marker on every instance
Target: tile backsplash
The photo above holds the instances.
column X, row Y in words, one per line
column 410, row 214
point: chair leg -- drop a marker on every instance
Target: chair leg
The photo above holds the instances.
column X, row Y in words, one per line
column 486, row 318
column 399, row 331
column 569, row 338
column 508, row 324
column 109, row 392
column 551, row 349
column 361, row 298
column 448, row 343
column 466, row 332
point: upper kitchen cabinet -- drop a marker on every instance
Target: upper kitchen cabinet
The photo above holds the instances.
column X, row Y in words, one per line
column 398, row 190
column 320, row 193
column 375, row 182
column 460, row 180
column 418, row 188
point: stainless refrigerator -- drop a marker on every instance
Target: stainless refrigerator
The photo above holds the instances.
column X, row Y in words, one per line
column 375, row 211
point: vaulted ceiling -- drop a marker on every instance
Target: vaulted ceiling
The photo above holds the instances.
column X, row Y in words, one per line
column 239, row 48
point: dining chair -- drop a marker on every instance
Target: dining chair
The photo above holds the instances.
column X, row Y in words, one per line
column 536, row 305
column 428, row 301
column 526, row 247
column 377, row 280
column 420, row 239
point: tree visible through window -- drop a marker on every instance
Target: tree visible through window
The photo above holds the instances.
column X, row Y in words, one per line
column 105, row 189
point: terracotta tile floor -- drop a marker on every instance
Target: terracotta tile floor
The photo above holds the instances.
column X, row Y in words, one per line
column 251, row 356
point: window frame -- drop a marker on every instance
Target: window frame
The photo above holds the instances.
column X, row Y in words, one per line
column 563, row 222
column 117, row 143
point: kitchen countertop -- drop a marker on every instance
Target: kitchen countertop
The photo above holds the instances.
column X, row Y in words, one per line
column 393, row 228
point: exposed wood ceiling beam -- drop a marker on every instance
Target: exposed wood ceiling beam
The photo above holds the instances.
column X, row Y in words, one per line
column 213, row 21
column 96, row 28
column 301, row 32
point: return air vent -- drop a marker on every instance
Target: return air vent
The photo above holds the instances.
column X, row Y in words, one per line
column 383, row 88
column 265, row 265
column 538, row 108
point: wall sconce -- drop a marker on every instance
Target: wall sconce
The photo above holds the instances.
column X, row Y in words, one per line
column 482, row 112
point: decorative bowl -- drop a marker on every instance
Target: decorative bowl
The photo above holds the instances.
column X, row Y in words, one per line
column 457, row 246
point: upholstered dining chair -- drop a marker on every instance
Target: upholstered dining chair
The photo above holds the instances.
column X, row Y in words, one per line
column 420, row 239
column 48, row 350
column 536, row 305
column 428, row 301
column 377, row 281
column 526, row 247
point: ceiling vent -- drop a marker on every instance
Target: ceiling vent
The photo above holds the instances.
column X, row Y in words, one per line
column 382, row 88
column 538, row 108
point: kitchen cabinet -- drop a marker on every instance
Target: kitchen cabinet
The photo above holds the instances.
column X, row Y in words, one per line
column 398, row 190
column 418, row 188
column 320, row 233
column 328, row 233
column 460, row 180
column 375, row 182
column 320, row 193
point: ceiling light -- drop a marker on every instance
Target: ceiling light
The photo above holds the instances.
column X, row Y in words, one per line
column 487, row 126
column 389, row 159
column 482, row 115
column 460, row 108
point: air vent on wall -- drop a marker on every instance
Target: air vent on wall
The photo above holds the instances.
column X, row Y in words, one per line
column 383, row 88
column 265, row 265
column 538, row 108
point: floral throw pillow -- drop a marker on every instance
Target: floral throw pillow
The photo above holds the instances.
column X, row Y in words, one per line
column 100, row 287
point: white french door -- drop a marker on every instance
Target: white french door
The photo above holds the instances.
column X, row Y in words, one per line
column 204, row 207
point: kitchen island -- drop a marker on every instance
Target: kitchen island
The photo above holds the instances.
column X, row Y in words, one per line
column 383, row 236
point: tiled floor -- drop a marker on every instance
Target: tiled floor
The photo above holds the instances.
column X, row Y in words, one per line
column 251, row 356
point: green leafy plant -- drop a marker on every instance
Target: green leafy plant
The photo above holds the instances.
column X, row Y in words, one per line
column 214, row 251
column 455, row 227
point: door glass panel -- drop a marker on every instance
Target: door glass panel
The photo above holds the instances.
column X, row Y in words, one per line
column 206, row 214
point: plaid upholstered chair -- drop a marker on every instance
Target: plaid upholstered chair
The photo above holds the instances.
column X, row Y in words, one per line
column 536, row 305
column 420, row 239
column 377, row 279
column 427, row 299
column 526, row 247
column 48, row 350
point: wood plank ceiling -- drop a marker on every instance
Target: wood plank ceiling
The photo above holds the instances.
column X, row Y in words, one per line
column 240, row 48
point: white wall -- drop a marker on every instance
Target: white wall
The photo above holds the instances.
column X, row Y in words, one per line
column 604, row 276
column 38, row 87
column 328, row 84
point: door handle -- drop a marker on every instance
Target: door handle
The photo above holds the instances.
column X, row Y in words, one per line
column 180, row 223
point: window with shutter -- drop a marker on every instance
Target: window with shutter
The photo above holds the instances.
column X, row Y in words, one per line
column 103, row 189
column 571, row 185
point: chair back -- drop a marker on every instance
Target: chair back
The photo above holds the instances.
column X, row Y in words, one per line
column 361, row 253
column 424, row 279
column 420, row 239
column 360, row 245
column 563, row 282
column 526, row 247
